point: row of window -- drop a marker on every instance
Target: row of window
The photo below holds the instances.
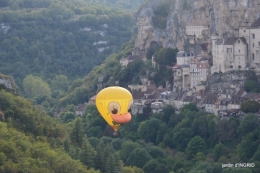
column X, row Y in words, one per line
column 254, row 44
column 196, row 78
column 194, row 27
column 197, row 74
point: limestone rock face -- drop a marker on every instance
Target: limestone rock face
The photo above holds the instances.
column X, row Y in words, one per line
column 223, row 16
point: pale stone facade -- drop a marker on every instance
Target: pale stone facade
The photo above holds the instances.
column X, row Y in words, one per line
column 229, row 54
column 196, row 28
column 199, row 72
column 184, row 57
column 252, row 36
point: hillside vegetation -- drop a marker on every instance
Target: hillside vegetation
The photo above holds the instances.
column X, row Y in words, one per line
column 49, row 38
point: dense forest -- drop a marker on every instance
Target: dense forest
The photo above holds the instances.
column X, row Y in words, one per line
column 51, row 48
column 191, row 141
column 49, row 38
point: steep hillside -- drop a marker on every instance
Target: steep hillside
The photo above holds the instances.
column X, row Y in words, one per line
column 224, row 17
column 48, row 38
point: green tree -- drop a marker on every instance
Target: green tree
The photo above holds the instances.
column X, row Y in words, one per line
column 35, row 86
column 251, row 86
column 247, row 147
column 150, row 166
column 60, row 82
column 127, row 148
column 197, row 144
column 218, row 150
column 77, row 133
column 191, row 107
column 148, row 129
column 138, row 158
column 66, row 144
column 250, row 106
column 86, row 155
column 248, row 124
column 156, row 152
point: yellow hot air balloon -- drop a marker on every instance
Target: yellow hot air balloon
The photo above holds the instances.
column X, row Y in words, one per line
column 113, row 103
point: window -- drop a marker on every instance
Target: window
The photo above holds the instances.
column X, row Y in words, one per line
column 238, row 41
column 244, row 30
column 253, row 44
column 238, row 50
column 253, row 56
column 258, row 43
column 253, row 35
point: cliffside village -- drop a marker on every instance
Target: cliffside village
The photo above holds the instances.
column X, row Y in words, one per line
column 229, row 56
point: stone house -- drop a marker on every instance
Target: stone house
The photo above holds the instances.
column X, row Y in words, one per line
column 196, row 28
column 229, row 54
column 184, row 57
column 221, row 104
column 226, row 114
column 252, row 36
column 209, row 102
column 199, row 72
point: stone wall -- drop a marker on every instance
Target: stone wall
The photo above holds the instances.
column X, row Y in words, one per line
column 222, row 16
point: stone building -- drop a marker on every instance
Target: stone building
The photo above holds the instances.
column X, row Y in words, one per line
column 252, row 36
column 184, row 57
column 196, row 28
column 199, row 72
column 229, row 54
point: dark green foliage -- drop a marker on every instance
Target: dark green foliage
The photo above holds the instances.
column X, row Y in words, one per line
column 250, row 106
column 133, row 70
column 77, row 133
column 181, row 138
column 252, row 86
column 247, row 147
column 156, row 152
column 166, row 56
column 148, row 130
column 191, row 107
column 168, row 111
column 127, row 148
column 86, row 155
column 218, row 150
column 197, row 144
column 249, row 123
column 47, row 39
column 138, row 157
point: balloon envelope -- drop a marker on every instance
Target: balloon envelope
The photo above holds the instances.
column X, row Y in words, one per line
column 113, row 104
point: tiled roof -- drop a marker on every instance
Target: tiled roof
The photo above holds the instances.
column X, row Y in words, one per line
column 256, row 23
column 210, row 98
column 230, row 41
column 188, row 99
column 202, row 65
column 251, row 96
column 243, row 40
column 137, row 95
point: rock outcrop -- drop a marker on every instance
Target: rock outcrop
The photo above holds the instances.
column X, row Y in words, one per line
column 222, row 16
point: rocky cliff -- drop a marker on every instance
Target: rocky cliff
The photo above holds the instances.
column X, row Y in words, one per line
column 7, row 82
column 223, row 16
